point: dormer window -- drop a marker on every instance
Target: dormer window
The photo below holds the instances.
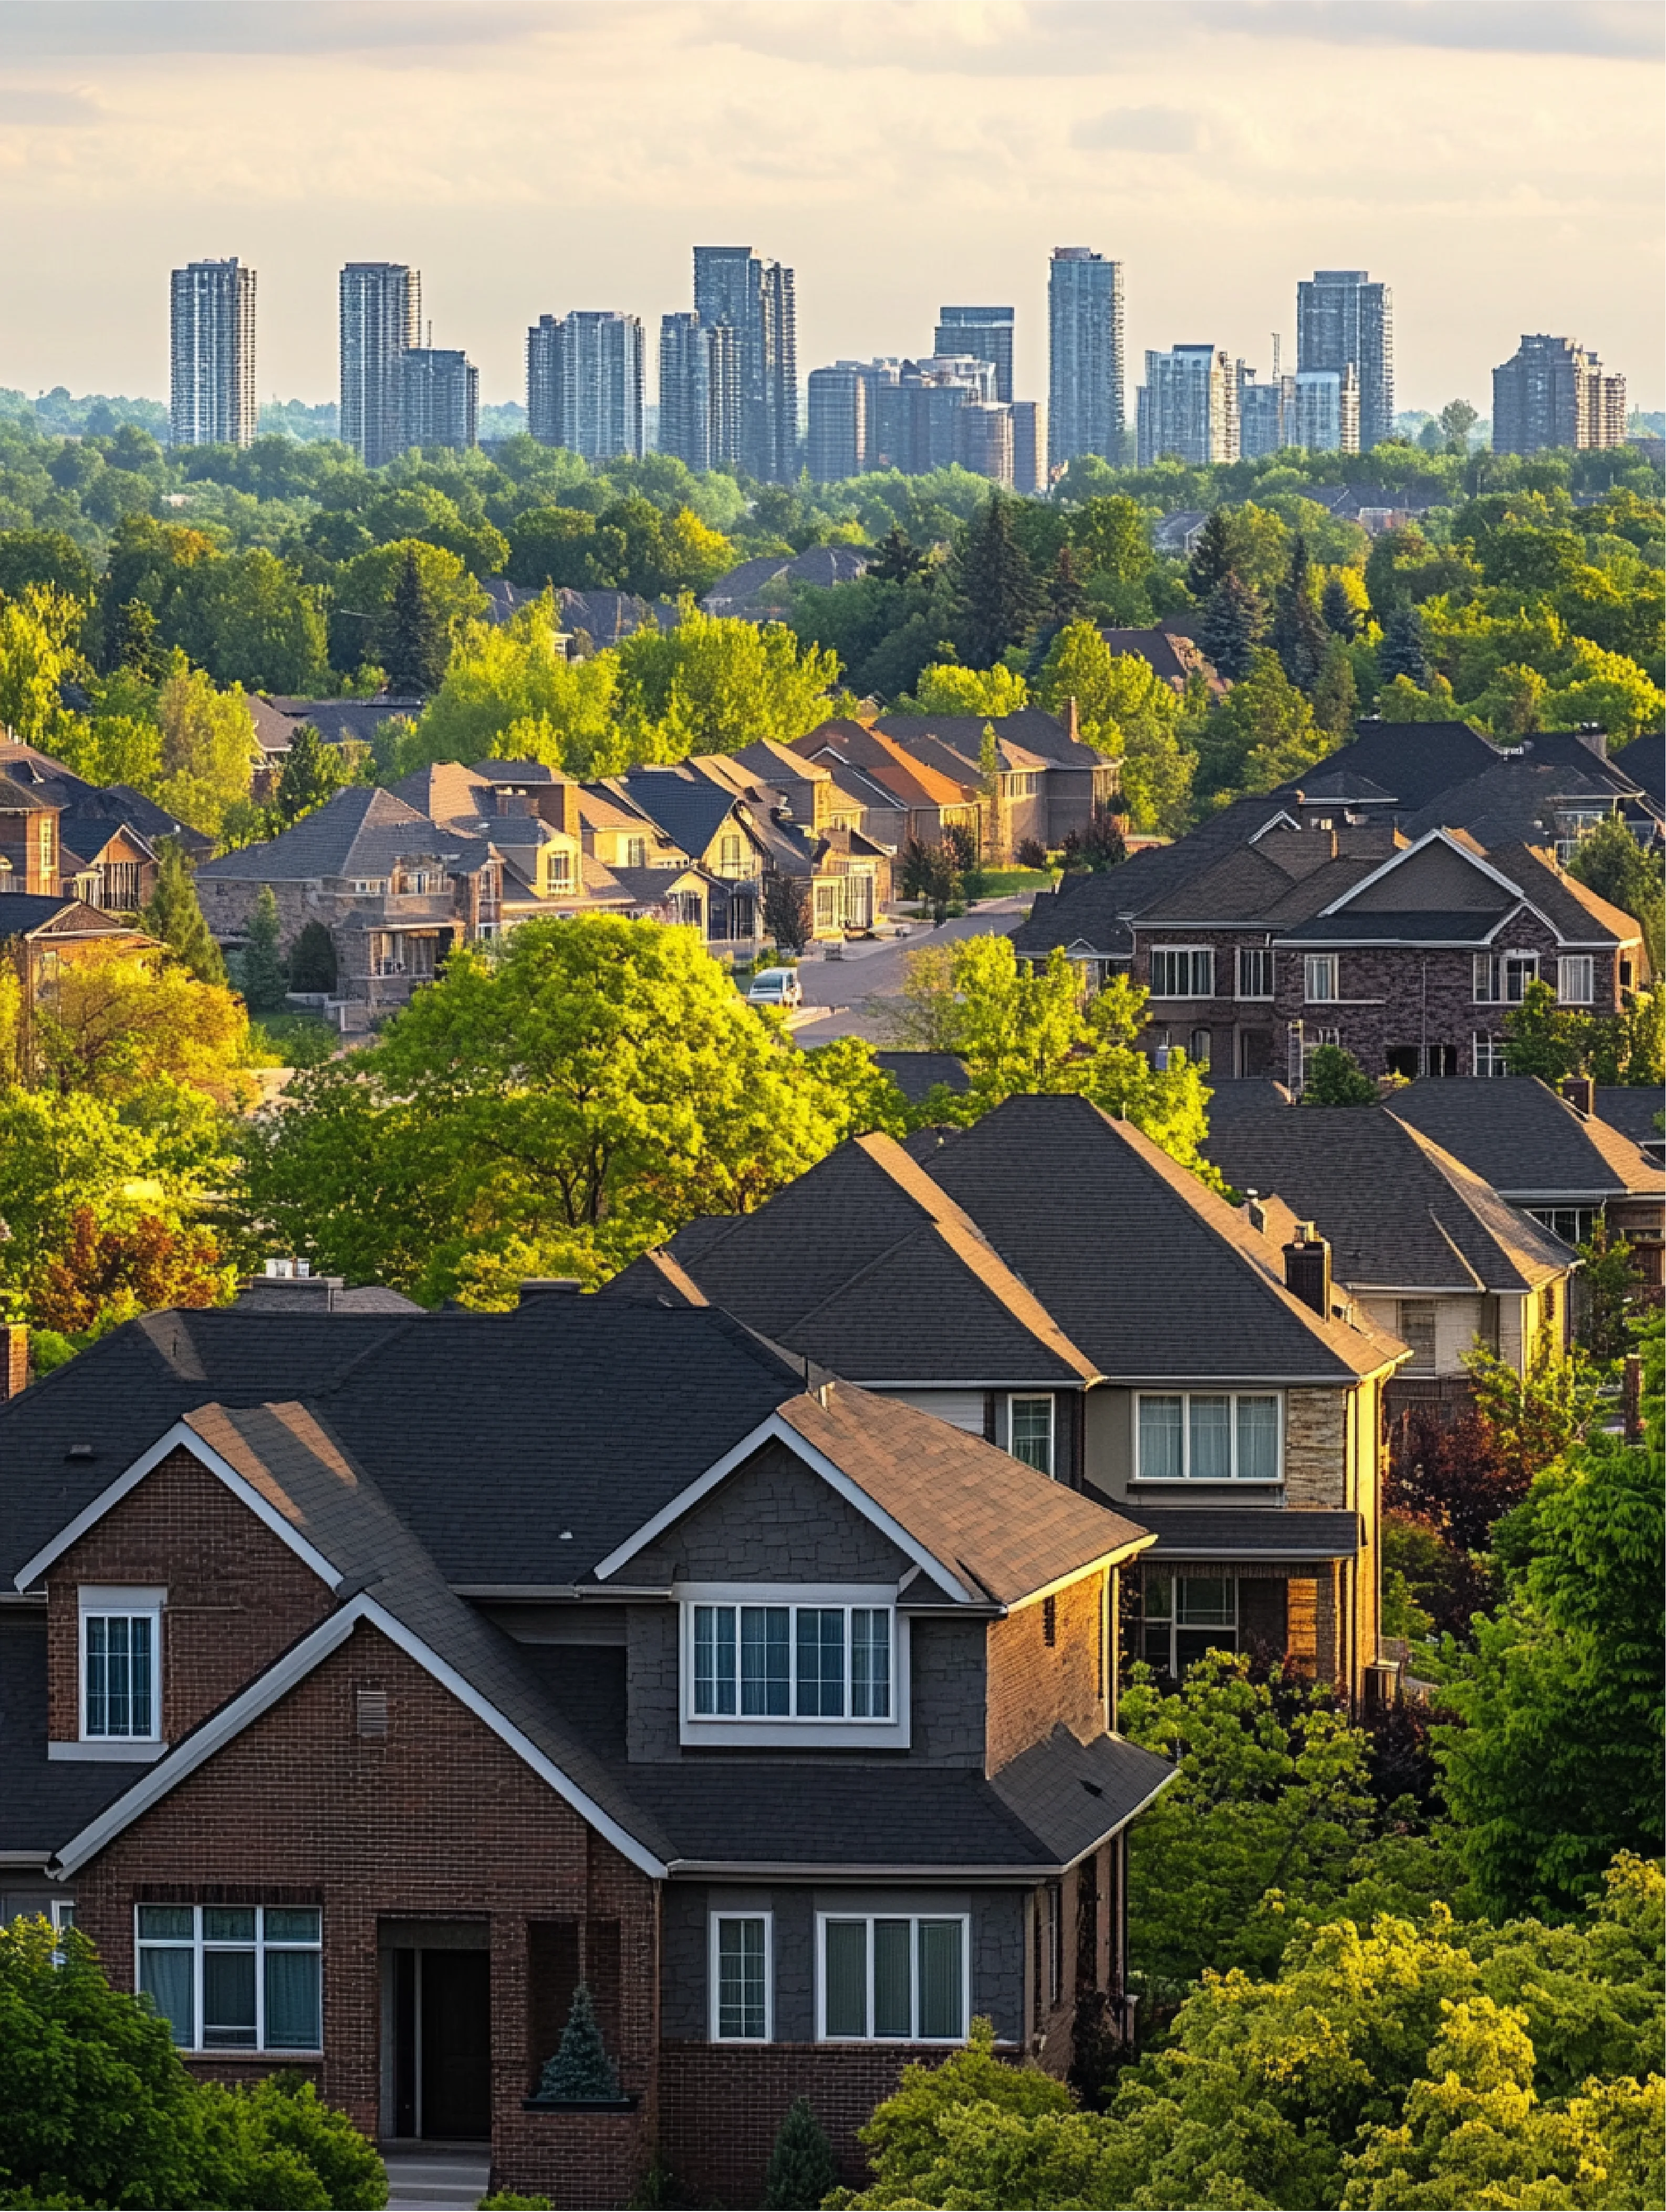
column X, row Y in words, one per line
column 765, row 1665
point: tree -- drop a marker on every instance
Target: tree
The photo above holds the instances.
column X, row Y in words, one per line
column 802, row 2170
column 1110, row 542
column 249, row 619
column 948, row 689
column 174, row 915
column 105, row 1273
column 1263, row 733
column 1335, row 1078
column 711, row 685
column 1336, row 606
column 264, row 982
column 997, row 584
column 1065, row 598
column 1457, row 419
column 551, row 1105
column 1335, row 693
column 1230, row 624
column 1123, row 706
column 413, row 643
column 1401, row 651
column 1545, row 1038
column 1212, row 557
column 1610, row 861
column 134, row 645
column 511, row 693
column 787, row 913
column 898, row 561
column 581, row 2072
column 313, row 959
column 312, row 773
column 207, row 747
column 37, row 653
column 1102, row 845
column 47, row 557
column 363, row 598
column 1611, row 1287
column 1298, row 634
column 120, row 1021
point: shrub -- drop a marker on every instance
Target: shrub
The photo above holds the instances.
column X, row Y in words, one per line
column 1031, row 854
column 313, row 959
column 801, row 2167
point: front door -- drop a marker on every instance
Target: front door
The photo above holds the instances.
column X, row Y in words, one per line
column 457, row 2042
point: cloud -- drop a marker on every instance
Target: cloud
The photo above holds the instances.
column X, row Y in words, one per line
column 41, row 108
column 268, row 27
column 1140, row 130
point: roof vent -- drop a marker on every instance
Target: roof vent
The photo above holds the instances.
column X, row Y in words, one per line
column 81, row 1451
column 549, row 1286
column 373, row 1712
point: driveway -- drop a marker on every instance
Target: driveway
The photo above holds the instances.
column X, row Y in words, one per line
column 869, row 972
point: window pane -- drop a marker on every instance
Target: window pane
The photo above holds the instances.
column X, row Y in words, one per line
column 98, row 1710
column 1207, row 1601
column 1158, row 1597
column 1211, row 1439
column 741, row 2010
column 1032, row 1433
column 893, row 1992
column 765, row 1660
column 292, row 2021
column 870, row 1663
column 229, row 1923
column 713, row 1659
column 1160, row 1439
column 285, row 1924
column 821, row 1662
column 1154, row 1644
column 165, row 1923
column 165, row 1976
column 846, row 1978
column 1258, row 1439
column 1191, row 1644
column 942, row 1994
column 228, row 1999
column 138, row 1710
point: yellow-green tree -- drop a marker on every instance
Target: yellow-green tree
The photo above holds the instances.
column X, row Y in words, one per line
column 713, row 686
column 511, row 694
column 207, row 747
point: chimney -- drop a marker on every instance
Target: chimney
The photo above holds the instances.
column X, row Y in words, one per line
column 535, row 1287
column 1307, row 1269
column 1073, row 725
column 14, row 1360
column 1579, row 1091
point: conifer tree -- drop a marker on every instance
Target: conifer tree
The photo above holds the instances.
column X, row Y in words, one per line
column 312, row 773
column 1065, row 596
column 1339, row 614
column 313, row 965
column 997, row 586
column 1298, row 634
column 1232, row 622
column 1213, row 556
column 1401, row 652
column 264, row 982
column 802, row 2170
column 581, row 2072
column 898, row 560
column 172, row 915
column 414, row 648
column 1336, row 695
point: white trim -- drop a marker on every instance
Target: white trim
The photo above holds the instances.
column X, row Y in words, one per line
column 1399, row 860
column 181, row 1434
column 1035, row 1398
column 1191, row 951
column 1186, row 1480
column 716, row 1918
column 116, row 1604
column 198, row 1944
column 121, row 1750
column 777, row 1429
column 914, row 1919
column 791, row 1731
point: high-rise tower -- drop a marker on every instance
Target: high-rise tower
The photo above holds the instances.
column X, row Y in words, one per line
column 584, row 383
column 757, row 300
column 212, row 391
column 1343, row 317
column 1085, row 379
column 984, row 332
column 382, row 315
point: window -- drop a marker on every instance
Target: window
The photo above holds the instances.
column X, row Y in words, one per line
column 1501, row 978
column 121, row 1643
column 1417, row 1328
column 636, row 852
column 1576, row 979
column 1183, row 971
column 368, row 887
column 47, row 821
column 558, row 870
column 1489, row 1055
column 1033, row 1432
column 741, row 1977
column 830, row 904
column 1572, row 1223
column 1210, row 1436
column 892, row 1980
column 1254, row 971
column 792, row 1662
column 1185, row 1616
column 1051, row 1622
column 1200, row 1050
column 233, row 1977
column 1319, row 969
column 1023, row 783
column 732, row 855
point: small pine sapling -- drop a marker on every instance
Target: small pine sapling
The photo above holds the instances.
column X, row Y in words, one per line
column 802, row 2170
column 580, row 2073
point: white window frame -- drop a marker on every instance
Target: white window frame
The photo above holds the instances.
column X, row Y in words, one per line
column 1175, row 1625
column 1321, row 979
column 1488, row 1055
column 197, row 1943
column 1192, row 954
column 1018, row 1398
column 1416, row 1366
column 1186, row 1478
column 794, row 1730
column 1259, row 954
column 719, row 1916
column 914, row 1919
column 1576, row 979
column 120, row 1601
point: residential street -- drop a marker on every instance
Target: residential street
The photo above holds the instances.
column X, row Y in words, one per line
column 870, row 972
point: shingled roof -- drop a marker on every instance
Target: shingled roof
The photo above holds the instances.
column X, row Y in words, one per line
column 361, row 831
column 1530, row 1144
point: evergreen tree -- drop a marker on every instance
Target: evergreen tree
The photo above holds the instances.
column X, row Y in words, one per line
column 1065, row 598
column 312, row 773
column 173, row 916
column 1339, row 613
column 414, row 646
column 313, row 965
column 1230, row 624
column 264, row 982
column 898, row 560
column 580, row 2073
column 1336, row 693
column 1298, row 634
column 802, row 2170
column 1213, row 555
column 1401, row 652
column 997, row 586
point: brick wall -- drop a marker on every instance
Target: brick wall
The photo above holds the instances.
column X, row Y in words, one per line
column 237, row 1596
column 438, row 1820
column 1032, row 1686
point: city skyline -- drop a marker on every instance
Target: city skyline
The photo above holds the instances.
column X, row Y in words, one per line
column 1517, row 192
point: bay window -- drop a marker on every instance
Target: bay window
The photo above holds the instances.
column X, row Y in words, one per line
column 233, row 1977
column 892, row 1978
column 1207, row 1436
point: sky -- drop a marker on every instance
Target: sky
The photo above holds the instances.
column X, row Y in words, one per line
column 1497, row 162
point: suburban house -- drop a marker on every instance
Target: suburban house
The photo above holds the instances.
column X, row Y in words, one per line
column 780, row 1715
column 41, row 934
column 916, row 803
column 103, row 842
column 1051, row 782
column 761, row 589
column 1051, row 1281
column 1554, row 1157
column 846, row 874
column 1432, row 1254
column 1171, row 653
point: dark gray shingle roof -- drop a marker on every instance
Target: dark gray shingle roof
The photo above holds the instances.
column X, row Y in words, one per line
column 1516, row 1133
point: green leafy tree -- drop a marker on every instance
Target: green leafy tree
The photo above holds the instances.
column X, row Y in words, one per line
column 511, row 694
column 1123, row 706
column 37, row 653
column 1065, row 597
column 1335, row 1078
column 1262, row 733
column 1111, row 540
column 997, row 584
column 1611, row 862
column 174, row 915
column 312, row 773
column 711, row 685
column 264, row 982
column 802, row 2170
column 1457, row 419
column 1545, row 1038
column 1612, row 1287
column 208, row 748
column 581, row 2072
column 1298, row 634
column 50, row 558
column 948, row 689
column 1231, row 621
column 249, row 619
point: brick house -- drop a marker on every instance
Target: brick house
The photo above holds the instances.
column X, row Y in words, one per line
column 1051, row 782
column 782, row 1715
column 1051, row 1281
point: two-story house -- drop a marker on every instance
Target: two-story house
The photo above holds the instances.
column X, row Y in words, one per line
column 355, row 1734
column 1051, row 1281
column 1433, row 1254
column 914, row 801
column 845, row 873
column 1050, row 784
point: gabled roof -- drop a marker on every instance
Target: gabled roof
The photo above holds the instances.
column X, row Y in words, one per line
column 18, row 798
column 915, row 1074
column 1399, row 1212
column 1414, row 761
column 1512, row 802
column 1153, row 1275
column 1032, row 728
column 1634, row 1110
column 361, row 831
column 36, row 914
column 688, row 804
column 889, row 763
column 446, row 792
column 1530, row 1144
